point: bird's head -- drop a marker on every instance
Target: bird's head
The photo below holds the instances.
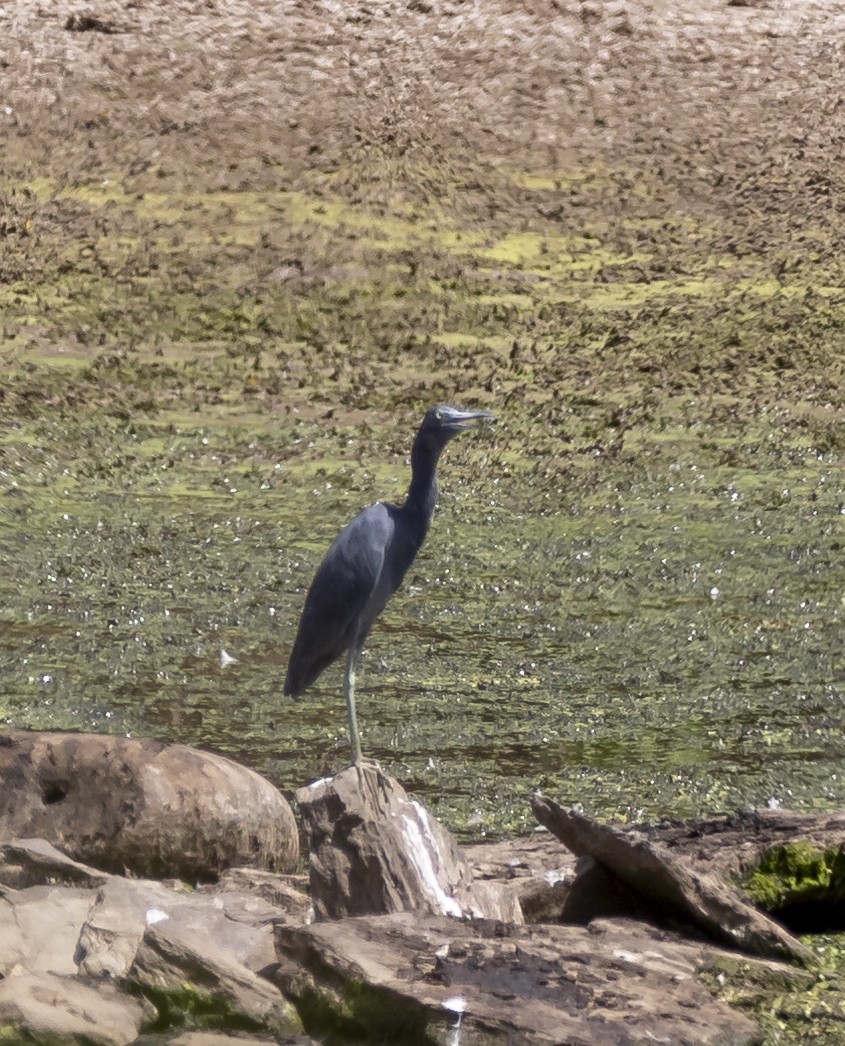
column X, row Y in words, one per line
column 438, row 426
column 442, row 422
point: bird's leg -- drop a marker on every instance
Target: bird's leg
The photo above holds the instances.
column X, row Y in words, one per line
column 349, row 694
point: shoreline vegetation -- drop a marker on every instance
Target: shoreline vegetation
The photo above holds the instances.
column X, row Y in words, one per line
column 243, row 246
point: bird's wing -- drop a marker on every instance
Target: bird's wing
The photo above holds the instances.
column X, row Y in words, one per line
column 336, row 608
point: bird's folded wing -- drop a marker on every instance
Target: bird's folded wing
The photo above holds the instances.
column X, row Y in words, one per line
column 344, row 597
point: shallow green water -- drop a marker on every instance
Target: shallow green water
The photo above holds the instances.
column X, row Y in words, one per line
column 656, row 632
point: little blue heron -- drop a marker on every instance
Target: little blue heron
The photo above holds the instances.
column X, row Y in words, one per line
column 366, row 564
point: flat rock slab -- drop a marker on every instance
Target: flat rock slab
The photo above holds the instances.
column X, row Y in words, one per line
column 287, row 894
column 39, row 928
column 35, row 862
column 536, row 866
column 144, row 807
column 220, row 1038
column 374, row 850
column 64, row 948
column 188, row 966
column 48, row 1008
column 406, row 976
column 674, row 889
column 112, row 932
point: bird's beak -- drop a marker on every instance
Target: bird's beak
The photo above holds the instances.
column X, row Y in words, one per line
column 471, row 419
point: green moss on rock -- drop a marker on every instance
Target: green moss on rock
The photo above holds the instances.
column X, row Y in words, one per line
column 792, row 1007
column 795, row 874
column 362, row 1011
column 189, row 1005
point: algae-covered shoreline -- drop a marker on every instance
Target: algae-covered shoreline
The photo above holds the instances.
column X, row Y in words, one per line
column 225, row 307
column 242, row 247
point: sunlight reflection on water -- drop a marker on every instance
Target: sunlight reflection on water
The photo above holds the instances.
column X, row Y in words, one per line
column 660, row 648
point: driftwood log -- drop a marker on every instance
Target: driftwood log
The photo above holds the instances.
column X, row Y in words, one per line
column 669, row 887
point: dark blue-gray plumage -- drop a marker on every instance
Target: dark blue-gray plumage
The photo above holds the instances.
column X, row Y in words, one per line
column 366, row 564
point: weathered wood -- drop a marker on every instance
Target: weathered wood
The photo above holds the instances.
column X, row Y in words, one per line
column 677, row 892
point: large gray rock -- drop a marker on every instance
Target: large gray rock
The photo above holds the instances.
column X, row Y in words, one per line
column 139, row 806
column 405, row 976
column 198, row 950
column 45, row 1008
column 373, row 850
column 239, row 924
column 189, row 966
column 287, row 894
column 118, row 909
column 40, row 926
column 675, row 892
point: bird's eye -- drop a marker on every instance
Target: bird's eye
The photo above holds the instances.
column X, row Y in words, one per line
column 439, row 415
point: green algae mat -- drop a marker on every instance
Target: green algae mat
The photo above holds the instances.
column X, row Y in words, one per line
column 631, row 594
column 244, row 247
column 226, row 305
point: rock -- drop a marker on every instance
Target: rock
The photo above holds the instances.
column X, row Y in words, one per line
column 542, row 901
column 677, row 892
column 596, row 893
column 39, row 928
column 97, row 932
column 288, row 894
column 730, row 844
column 408, row 976
column 219, row 1038
column 33, row 862
column 191, row 951
column 526, row 857
column 726, row 846
column 239, row 923
column 536, row 866
column 184, row 971
column 115, row 927
column 112, row 932
column 148, row 808
column 373, row 850
column 45, row 1008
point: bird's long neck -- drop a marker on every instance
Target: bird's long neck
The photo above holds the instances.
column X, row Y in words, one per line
column 422, row 493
